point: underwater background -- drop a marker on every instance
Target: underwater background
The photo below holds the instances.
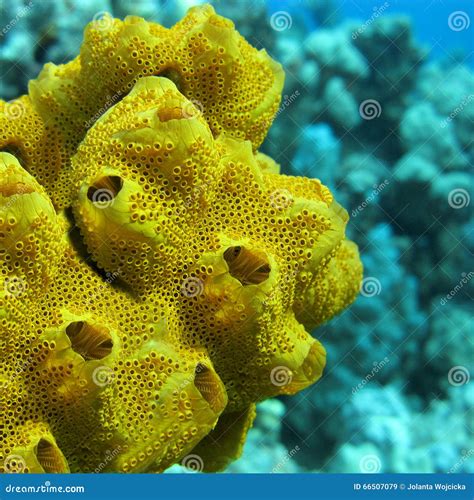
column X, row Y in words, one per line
column 379, row 105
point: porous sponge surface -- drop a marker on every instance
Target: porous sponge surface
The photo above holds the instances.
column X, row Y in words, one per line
column 236, row 87
column 159, row 275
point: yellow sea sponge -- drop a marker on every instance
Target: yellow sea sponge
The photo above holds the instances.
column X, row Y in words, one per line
column 158, row 275
column 236, row 88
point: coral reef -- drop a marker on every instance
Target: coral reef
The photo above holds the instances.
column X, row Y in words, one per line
column 263, row 452
column 404, row 174
column 383, row 431
column 159, row 276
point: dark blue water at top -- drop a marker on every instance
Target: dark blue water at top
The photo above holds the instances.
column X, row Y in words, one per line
column 429, row 20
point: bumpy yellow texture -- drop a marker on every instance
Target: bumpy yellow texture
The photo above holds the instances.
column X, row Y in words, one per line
column 159, row 276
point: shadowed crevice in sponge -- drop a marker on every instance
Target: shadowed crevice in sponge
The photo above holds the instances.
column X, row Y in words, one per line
column 49, row 457
column 89, row 341
column 250, row 268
